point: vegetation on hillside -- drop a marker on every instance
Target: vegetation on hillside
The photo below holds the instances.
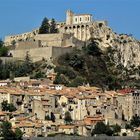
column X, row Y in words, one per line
column 101, row 128
column 8, row 106
column 23, row 68
column 3, row 49
column 88, row 65
column 48, row 27
column 8, row 134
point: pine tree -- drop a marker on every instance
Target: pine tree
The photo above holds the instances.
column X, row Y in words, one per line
column 53, row 28
column 45, row 26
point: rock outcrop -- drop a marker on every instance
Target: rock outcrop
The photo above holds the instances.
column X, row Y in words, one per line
column 126, row 49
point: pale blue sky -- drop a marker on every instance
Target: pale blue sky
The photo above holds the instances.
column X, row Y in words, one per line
column 19, row 16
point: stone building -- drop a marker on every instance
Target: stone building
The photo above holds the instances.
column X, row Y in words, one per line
column 128, row 102
column 77, row 24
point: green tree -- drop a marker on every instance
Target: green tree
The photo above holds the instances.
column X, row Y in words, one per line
column 61, row 79
column 26, row 67
column 3, row 51
column 45, row 26
column 116, row 129
column 135, row 121
column 11, row 107
column 18, row 134
column 78, row 81
column 6, row 131
column 52, row 117
column 4, row 105
column 1, row 43
column 39, row 75
column 8, row 106
column 47, row 117
column 100, row 128
column 53, row 28
column 92, row 48
column 68, row 118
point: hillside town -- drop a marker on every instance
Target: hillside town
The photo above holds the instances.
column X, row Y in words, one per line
column 49, row 81
column 42, row 108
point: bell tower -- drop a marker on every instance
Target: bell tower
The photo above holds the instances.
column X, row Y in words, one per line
column 69, row 17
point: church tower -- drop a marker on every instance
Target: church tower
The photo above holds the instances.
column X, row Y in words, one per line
column 69, row 17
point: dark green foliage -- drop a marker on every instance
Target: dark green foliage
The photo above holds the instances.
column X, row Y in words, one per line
column 88, row 65
column 8, row 106
column 93, row 49
column 22, row 68
column 18, row 134
column 128, row 126
column 53, row 28
column 124, row 134
column 78, row 81
column 6, row 131
column 52, row 117
column 3, row 49
column 8, row 134
column 26, row 68
column 61, row 79
column 47, row 117
column 3, row 52
column 1, row 43
column 101, row 128
column 68, row 71
column 44, row 28
column 47, row 27
column 135, row 121
column 116, row 129
column 68, row 118
column 39, row 75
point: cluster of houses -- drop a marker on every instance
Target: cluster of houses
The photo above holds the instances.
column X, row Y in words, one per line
column 41, row 107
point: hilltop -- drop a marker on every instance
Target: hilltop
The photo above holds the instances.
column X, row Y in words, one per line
column 116, row 64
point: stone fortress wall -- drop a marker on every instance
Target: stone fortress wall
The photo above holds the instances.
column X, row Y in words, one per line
column 46, row 46
column 77, row 24
column 72, row 33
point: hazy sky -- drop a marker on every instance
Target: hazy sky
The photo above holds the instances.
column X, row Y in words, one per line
column 17, row 16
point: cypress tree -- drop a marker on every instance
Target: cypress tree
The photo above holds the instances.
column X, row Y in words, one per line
column 53, row 28
column 45, row 26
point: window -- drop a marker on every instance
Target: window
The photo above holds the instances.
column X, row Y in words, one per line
column 75, row 19
column 88, row 18
column 80, row 19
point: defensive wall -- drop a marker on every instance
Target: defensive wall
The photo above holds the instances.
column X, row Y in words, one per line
column 46, row 46
column 40, row 53
column 21, row 45
column 11, row 59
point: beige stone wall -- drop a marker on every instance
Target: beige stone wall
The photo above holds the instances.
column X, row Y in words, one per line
column 40, row 53
column 35, row 53
column 38, row 109
column 50, row 39
column 23, row 36
column 27, row 44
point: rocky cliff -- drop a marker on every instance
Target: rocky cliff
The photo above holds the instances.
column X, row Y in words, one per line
column 125, row 49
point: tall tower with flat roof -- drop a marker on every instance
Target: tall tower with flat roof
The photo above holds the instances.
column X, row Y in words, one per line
column 69, row 17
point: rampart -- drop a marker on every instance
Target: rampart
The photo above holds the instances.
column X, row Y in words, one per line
column 40, row 53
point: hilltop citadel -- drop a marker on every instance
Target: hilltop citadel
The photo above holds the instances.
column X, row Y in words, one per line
column 72, row 33
column 44, row 108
